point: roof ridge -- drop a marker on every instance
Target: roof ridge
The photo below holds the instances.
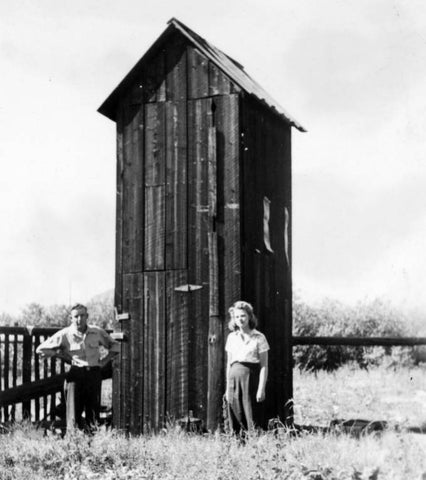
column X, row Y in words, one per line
column 230, row 67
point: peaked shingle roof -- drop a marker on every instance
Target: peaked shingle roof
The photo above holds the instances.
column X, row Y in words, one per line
column 229, row 66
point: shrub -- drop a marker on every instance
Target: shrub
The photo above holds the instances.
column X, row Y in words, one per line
column 365, row 319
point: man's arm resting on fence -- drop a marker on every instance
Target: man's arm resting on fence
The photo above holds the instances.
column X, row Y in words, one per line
column 57, row 352
column 52, row 347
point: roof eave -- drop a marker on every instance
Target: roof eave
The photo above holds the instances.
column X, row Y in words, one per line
column 192, row 37
column 109, row 106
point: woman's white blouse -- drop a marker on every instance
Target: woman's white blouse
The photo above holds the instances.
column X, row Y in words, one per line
column 241, row 350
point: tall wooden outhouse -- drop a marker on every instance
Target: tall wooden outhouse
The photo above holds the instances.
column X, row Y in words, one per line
column 203, row 220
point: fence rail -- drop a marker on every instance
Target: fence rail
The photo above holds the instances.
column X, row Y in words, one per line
column 360, row 341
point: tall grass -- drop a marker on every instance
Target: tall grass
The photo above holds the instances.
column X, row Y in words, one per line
column 394, row 395
column 25, row 453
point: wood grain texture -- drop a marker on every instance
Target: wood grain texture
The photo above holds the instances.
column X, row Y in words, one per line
column 132, row 189
column 154, row 351
column 176, row 227
column 177, row 330
column 125, row 378
column 198, row 74
column 176, row 69
column 26, row 370
column 155, row 146
column 119, row 212
column 200, row 118
column 133, row 289
column 154, row 79
column 215, row 369
column 228, row 150
column 219, row 83
column 154, row 228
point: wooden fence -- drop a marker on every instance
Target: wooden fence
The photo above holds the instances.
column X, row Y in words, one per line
column 32, row 388
column 360, row 341
column 20, row 365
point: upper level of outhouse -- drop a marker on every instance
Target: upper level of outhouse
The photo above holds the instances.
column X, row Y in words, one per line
column 181, row 65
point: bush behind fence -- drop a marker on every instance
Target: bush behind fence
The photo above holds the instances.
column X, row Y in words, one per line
column 366, row 319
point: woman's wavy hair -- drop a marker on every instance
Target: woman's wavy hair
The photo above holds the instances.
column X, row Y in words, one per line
column 241, row 305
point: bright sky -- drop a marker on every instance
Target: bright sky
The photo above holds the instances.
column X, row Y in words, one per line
column 352, row 72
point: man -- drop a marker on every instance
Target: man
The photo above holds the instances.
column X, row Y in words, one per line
column 79, row 345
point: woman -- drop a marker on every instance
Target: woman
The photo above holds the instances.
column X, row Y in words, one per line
column 247, row 368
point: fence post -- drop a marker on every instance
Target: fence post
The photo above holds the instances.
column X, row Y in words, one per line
column 26, row 370
column 70, row 405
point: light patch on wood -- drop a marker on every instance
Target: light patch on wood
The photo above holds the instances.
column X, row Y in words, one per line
column 286, row 222
column 266, row 217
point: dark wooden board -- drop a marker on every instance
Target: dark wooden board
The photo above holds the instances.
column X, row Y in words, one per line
column 200, row 118
column 176, row 207
column 154, row 227
column 176, row 70
column 154, row 79
column 133, row 289
column 132, row 189
column 155, row 151
column 177, row 332
column 154, row 375
column 228, row 151
column 198, row 74
column 219, row 83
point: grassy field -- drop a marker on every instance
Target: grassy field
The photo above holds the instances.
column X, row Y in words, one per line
column 397, row 396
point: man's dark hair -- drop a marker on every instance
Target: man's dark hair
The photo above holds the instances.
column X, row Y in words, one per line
column 78, row 306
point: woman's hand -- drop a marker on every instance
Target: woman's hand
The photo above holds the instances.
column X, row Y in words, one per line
column 260, row 396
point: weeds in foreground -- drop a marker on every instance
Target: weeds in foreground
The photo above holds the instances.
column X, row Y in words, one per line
column 27, row 453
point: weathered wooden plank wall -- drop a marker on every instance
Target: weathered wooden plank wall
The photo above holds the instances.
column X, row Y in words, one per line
column 228, row 158
column 177, row 331
column 132, row 197
column 133, row 293
column 176, row 69
column 266, row 273
column 199, row 121
column 177, row 226
column 118, row 392
column 154, row 372
column 176, row 231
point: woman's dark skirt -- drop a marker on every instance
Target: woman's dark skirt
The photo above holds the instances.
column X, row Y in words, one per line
column 243, row 411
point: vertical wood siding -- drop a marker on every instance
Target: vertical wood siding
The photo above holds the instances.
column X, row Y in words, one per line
column 194, row 163
column 132, row 190
column 119, row 213
column 176, row 69
column 133, row 292
column 155, row 175
column 154, row 81
column 219, row 83
column 176, row 187
column 198, row 74
column 177, row 333
column 228, row 150
column 199, row 121
column 154, row 372
column 266, row 164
